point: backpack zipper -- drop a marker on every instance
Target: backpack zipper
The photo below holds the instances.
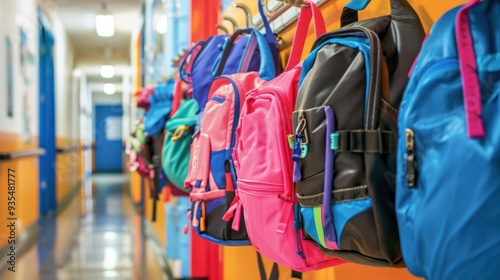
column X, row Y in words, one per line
column 411, row 164
column 297, row 217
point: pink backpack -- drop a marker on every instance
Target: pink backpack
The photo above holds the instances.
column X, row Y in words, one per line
column 211, row 178
column 263, row 162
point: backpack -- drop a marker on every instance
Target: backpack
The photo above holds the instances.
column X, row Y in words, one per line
column 448, row 186
column 206, row 57
column 143, row 96
column 345, row 133
column 176, row 147
column 263, row 163
column 161, row 104
column 140, row 154
column 211, row 177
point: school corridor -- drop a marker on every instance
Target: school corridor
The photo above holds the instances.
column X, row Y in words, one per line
column 97, row 236
column 249, row 139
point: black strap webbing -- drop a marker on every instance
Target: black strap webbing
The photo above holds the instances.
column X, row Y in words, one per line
column 157, row 165
column 348, row 16
column 262, row 270
column 296, row 274
column 366, row 141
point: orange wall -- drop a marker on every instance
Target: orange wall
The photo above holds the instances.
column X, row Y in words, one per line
column 429, row 12
column 26, row 184
column 68, row 175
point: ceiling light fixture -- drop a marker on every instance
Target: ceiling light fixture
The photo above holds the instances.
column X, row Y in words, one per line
column 109, row 88
column 162, row 24
column 107, row 71
column 105, row 23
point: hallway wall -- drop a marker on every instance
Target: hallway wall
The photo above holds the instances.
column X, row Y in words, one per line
column 19, row 130
column 67, row 124
column 19, row 125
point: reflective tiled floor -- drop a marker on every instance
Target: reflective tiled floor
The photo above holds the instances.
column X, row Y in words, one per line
column 96, row 238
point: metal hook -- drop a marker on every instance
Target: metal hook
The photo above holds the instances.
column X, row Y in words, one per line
column 296, row 3
column 248, row 13
column 223, row 28
column 268, row 11
column 232, row 21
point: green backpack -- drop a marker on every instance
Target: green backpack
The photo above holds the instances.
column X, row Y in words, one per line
column 176, row 147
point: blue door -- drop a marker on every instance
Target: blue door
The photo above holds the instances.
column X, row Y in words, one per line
column 108, row 138
column 47, row 124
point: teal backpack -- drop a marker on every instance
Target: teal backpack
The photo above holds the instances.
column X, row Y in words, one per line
column 176, row 147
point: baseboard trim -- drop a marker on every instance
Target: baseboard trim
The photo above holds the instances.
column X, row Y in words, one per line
column 158, row 250
column 29, row 236
column 68, row 198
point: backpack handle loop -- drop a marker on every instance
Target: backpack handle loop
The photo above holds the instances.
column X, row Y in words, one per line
column 267, row 68
column 468, row 70
column 311, row 11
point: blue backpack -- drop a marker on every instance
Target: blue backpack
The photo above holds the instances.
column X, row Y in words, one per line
column 207, row 55
column 448, row 175
column 161, row 105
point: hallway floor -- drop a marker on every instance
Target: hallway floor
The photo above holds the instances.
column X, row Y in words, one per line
column 97, row 238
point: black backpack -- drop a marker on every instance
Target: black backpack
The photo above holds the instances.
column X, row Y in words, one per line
column 346, row 128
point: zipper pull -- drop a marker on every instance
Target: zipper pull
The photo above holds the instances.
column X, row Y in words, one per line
column 185, row 228
column 297, row 152
column 302, row 129
column 411, row 163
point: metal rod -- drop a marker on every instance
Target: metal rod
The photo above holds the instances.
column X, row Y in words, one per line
column 37, row 152
column 223, row 28
column 232, row 21
column 248, row 13
column 268, row 11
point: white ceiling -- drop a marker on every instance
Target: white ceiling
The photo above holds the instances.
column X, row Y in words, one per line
column 78, row 17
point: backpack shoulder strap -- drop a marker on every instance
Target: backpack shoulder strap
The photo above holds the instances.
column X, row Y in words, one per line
column 468, row 70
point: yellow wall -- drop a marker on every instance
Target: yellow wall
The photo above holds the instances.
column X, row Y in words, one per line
column 26, row 184
column 240, row 262
column 68, row 172
column 429, row 12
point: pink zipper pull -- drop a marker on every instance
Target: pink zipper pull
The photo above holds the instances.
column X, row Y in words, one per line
column 185, row 228
column 234, row 211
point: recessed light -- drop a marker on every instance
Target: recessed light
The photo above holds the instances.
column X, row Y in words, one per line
column 109, row 88
column 107, row 71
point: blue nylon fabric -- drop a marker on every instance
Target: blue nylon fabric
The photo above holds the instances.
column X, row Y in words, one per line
column 489, row 63
column 224, row 242
column 449, row 223
column 218, row 99
column 217, row 160
column 361, row 43
column 212, row 204
column 202, row 68
column 161, row 105
column 358, row 4
column 209, row 57
column 309, row 223
column 344, row 211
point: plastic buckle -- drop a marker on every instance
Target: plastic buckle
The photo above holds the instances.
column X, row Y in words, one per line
column 179, row 131
column 380, row 143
